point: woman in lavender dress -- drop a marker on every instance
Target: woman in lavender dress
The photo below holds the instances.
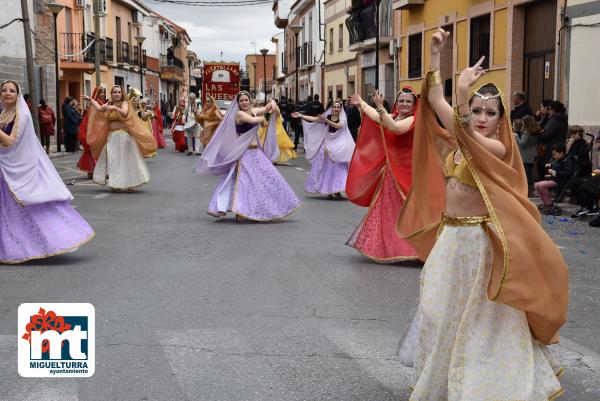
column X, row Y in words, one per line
column 36, row 216
column 329, row 147
column 249, row 186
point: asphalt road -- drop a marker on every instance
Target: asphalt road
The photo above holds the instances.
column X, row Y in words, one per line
column 189, row 308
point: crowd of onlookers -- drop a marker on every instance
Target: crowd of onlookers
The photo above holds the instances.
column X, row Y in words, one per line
column 559, row 160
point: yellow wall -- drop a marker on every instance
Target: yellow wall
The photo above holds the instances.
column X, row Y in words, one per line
column 338, row 77
column 500, row 49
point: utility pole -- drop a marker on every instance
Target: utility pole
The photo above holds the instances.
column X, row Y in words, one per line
column 97, row 40
column 30, row 60
column 377, row 23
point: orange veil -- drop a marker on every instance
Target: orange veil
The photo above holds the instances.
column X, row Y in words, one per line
column 528, row 272
column 97, row 131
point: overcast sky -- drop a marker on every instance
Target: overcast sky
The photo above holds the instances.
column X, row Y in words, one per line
column 225, row 29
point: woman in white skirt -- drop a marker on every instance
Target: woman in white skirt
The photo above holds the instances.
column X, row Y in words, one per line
column 494, row 288
column 119, row 142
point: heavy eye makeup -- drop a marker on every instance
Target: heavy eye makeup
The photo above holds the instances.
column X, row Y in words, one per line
column 488, row 112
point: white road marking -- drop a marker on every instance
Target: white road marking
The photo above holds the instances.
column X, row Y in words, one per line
column 299, row 168
column 101, row 196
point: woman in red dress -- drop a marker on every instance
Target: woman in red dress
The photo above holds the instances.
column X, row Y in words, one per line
column 157, row 126
column 87, row 162
column 380, row 176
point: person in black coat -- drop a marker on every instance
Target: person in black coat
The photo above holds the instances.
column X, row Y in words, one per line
column 556, row 130
column 354, row 120
column 315, row 107
column 520, row 107
column 71, row 121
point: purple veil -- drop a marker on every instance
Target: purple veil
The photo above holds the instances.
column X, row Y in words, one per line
column 25, row 166
column 227, row 147
column 339, row 144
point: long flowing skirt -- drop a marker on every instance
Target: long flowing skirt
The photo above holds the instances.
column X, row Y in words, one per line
column 254, row 189
column 471, row 348
column 38, row 231
column 86, row 162
column 158, row 134
column 121, row 164
column 179, row 140
column 326, row 177
column 376, row 237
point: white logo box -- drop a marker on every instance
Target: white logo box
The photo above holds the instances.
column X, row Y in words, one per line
column 77, row 362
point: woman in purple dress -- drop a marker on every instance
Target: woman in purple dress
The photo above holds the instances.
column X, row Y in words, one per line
column 36, row 216
column 329, row 147
column 249, row 186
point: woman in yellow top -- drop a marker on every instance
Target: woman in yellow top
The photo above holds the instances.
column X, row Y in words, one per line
column 286, row 146
column 494, row 288
column 146, row 115
column 119, row 141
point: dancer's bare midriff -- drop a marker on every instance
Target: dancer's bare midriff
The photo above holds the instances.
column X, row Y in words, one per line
column 116, row 125
column 463, row 200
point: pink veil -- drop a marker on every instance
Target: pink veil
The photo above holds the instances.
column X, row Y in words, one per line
column 26, row 168
column 339, row 144
column 227, row 147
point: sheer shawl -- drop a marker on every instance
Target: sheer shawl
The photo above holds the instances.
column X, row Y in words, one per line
column 528, row 271
column 376, row 148
column 227, row 147
column 339, row 144
column 97, row 132
column 26, row 168
column 82, row 135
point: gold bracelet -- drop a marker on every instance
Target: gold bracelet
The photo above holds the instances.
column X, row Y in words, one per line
column 462, row 120
column 381, row 110
column 434, row 78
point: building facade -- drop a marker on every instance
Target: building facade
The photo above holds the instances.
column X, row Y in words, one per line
column 257, row 74
column 341, row 64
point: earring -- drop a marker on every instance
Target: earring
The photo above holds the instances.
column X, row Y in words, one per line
column 497, row 136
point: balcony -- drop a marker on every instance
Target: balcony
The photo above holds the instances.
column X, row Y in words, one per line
column 306, row 55
column 406, row 4
column 361, row 24
column 123, row 53
column 172, row 69
column 74, row 44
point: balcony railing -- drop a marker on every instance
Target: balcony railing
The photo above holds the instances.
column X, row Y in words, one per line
column 136, row 55
column 166, row 61
column 123, row 53
column 74, row 43
column 361, row 22
column 306, row 55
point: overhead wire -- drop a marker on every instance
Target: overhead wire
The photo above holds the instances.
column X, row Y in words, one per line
column 220, row 3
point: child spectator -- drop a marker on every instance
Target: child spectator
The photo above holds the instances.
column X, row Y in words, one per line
column 559, row 171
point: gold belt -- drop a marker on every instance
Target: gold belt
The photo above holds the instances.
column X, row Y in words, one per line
column 253, row 147
column 462, row 221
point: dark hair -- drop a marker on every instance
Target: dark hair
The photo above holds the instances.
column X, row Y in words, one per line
column 15, row 84
column 557, row 106
column 316, row 97
column 546, row 102
column 520, row 95
column 239, row 95
column 309, row 98
column 42, row 102
column 559, row 148
column 68, row 99
column 490, row 89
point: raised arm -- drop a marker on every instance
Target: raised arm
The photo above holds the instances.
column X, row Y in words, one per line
column 123, row 110
column 435, row 96
column 95, row 104
column 365, row 108
column 310, row 119
column 261, row 111
column 397, row 127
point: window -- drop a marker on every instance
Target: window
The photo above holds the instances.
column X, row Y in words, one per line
column 341, row 37
column 330, row 40
column 480, row 40
column 415, row 55
column 338, row 94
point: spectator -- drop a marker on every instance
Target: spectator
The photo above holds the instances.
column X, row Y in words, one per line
column 579, row 150
column 284, row 107
column 47, row 121
column 587, row 191
column 558, row 173
column 316, row 107
column 170, row 55
column 517, row 126
column 520, row 108
column 543, row 114
column 27, row 98
column 527, row 140
column 164, row 110
column 354, row 120
column 555, row 131
column 72, row 119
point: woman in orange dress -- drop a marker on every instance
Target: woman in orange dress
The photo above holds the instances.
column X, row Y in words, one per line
column 209, row 119
column 87, row 162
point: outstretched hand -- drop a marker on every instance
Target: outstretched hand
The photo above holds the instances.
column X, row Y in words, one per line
column 356, row 99
column 377, row 98
column 470, row 75
column 295, row 114
column 438, row 40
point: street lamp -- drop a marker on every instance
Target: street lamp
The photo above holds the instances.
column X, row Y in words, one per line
column 254, row 79
column 264, row 53
column 296, row 29
column 377, row 43
column 55, row 9
column 140, row 40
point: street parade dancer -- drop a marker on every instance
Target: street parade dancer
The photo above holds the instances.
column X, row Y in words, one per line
column 488, row 304
column 192, row 128
column 87, row 162
column 328, row 145
column 146, row 115
column 36, row 216
column 209, row 119
column 157, row 126
column 119, row 141
column 380, row 175
column 284, row 143
column 178, row 126
column 250, row 186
